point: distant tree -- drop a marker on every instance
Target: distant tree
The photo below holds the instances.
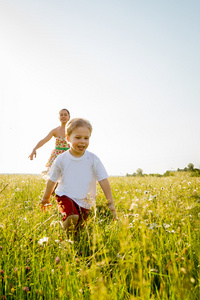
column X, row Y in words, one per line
column 190, row 167
column 139, row 172
column 168, row 173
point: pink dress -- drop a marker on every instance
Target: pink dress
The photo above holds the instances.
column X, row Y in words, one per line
column 61, row 146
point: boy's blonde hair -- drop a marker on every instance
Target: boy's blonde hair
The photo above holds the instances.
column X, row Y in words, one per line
column 77, row 122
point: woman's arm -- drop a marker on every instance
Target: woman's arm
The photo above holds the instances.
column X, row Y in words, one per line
column 41, row 143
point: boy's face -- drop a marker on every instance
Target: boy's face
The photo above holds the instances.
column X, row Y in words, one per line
column 79, row 141
column 64, row 116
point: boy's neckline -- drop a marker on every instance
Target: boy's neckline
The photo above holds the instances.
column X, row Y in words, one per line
column 76, row 157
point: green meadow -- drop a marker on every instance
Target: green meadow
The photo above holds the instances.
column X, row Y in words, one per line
column 151, row 252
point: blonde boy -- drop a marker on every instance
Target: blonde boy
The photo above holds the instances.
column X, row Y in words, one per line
column 77, row 171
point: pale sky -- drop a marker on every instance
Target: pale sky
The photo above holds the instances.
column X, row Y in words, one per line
column 130, row 67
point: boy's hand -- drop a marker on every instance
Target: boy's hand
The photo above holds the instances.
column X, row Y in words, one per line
column 44, row 203
column 114, row 214
column 112, row 208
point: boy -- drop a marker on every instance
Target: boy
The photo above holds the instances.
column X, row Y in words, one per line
column 77, row 171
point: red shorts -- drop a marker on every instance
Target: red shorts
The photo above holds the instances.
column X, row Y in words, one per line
column 69, row 207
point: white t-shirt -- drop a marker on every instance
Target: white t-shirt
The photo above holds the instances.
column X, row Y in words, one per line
column 77, row 177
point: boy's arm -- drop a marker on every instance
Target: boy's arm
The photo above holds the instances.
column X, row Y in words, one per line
column 48, row 191
column 105, row 185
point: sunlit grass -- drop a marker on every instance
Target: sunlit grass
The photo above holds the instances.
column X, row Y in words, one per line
column 150, row 252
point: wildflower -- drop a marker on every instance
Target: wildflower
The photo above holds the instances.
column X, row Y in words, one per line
column 133, row 205
column 2, row 272
column 43, row 240
column 195, row 192
column 183, row 270
column 166, row 225
column 192, row 280
column 12, row 290
column 154, row 271
column 47, row 204
column 53, row 223
column 57, row 260
column 69, row 241
column 152, row 197
column 153, row 225
column 26, row 289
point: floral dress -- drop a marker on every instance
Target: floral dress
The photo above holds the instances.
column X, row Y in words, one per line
column 61, row 146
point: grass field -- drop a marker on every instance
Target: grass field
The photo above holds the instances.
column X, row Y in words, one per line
column 151, row 252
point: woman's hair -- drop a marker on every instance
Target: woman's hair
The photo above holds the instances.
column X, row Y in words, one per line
column 66, row 110
column 77, row 122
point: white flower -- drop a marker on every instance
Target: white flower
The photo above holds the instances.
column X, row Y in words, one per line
column 53, row 223
column 132, row 206
column 43, row 240
column 69, row 241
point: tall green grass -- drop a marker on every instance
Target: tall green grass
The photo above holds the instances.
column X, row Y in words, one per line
column 151, row 251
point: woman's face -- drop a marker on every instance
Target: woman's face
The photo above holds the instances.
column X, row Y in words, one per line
column 64, row 116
